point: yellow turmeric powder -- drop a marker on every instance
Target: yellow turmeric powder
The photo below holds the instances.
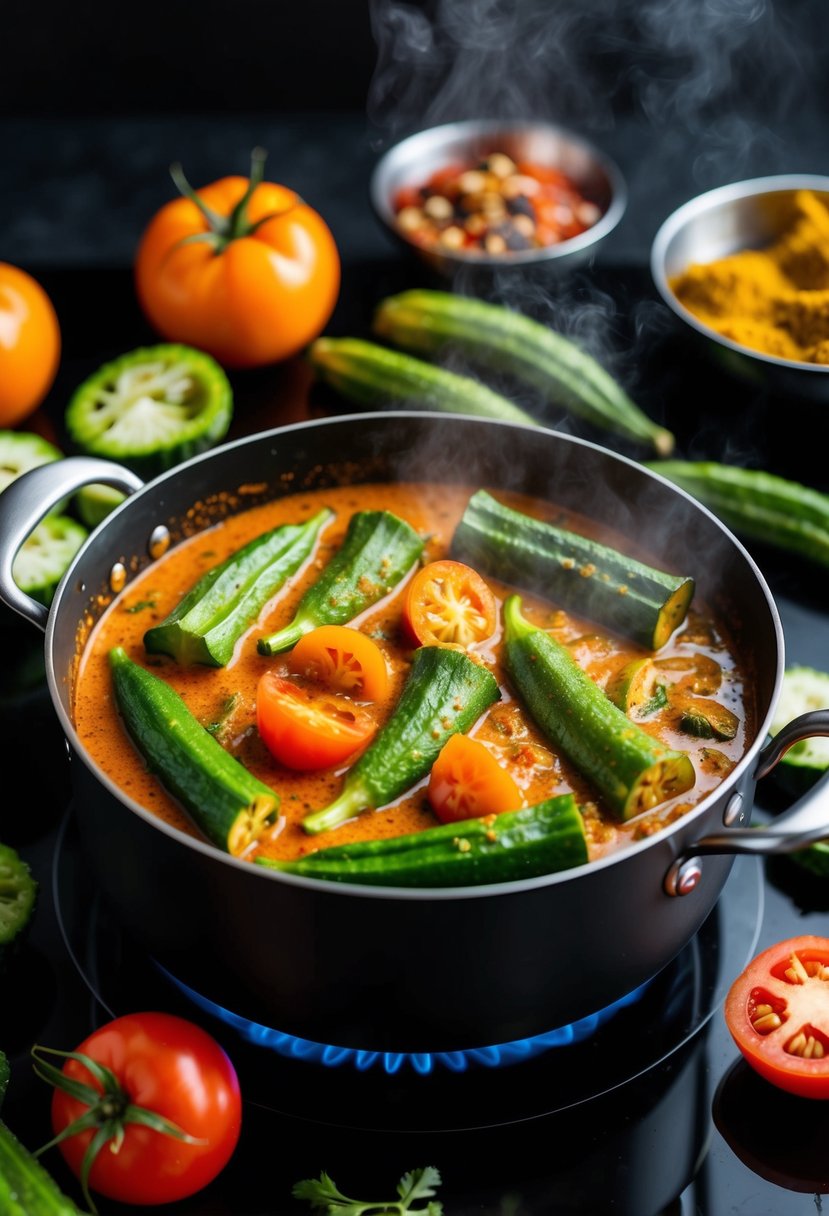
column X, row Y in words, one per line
column 774, row 300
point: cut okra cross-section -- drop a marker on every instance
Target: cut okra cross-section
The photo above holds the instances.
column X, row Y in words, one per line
column 152, row 408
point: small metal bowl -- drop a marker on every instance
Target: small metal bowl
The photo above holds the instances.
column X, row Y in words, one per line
column 412, row 161
column 745, row 215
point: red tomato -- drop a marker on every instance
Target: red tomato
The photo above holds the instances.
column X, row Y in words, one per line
column 242, row 269
column 449, row 603
column 169, row 1066
column 344, row 659
column 467, row 782
column 29, row 344
column 308, row 733
column 778, row 1014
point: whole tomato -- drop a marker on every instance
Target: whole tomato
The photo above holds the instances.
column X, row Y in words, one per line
column 161, row 1099
column 242, row 269
column 29, row 344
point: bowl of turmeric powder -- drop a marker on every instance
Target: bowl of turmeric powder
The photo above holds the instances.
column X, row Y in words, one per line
column 747, row 267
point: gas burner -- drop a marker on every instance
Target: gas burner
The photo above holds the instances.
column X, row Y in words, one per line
column 498, row 1055
column 557, row 1071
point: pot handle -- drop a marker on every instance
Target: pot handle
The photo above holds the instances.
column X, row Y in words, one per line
column 803, row 824
column 32, row 496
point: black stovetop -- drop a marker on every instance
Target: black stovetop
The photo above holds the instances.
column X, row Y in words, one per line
column 700, row 1112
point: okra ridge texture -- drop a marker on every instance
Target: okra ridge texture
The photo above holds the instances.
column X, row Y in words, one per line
column 632, row 771
column 226, row 601
column 525, row 843
column 577, row 573
column 230, row 806
column 446, row 692
column 377, row 553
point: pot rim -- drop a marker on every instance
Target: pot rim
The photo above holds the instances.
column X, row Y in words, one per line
column 412, row 894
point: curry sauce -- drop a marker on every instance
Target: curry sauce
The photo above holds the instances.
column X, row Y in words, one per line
column 225, row 698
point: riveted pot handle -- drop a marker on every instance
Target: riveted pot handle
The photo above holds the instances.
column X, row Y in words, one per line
column 803, row 824
column 30, row 498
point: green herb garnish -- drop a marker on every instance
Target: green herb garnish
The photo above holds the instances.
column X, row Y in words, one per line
column 215, row 728
column 324, row 1196
column 141, row 605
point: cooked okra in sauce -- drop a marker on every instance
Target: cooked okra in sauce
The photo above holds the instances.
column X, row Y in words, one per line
column 412, row 684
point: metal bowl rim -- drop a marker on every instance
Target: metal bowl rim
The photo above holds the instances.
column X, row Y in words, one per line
column 355, row 890
column 479, row 127
column 754, row 187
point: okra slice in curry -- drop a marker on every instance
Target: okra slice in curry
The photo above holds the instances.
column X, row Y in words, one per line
column 378, row 551
column 229, row 805
column 446, row 692
column 631, row 770
column 636, row 689
column 706, row 719
column 227, row 600
column 151, row 408
column 579, row 574
column 535, row 840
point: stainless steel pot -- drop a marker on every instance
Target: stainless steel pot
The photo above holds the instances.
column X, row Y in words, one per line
column 388, row 968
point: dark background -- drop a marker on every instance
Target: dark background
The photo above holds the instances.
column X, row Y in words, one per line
column 269, row 56
column 97, row 98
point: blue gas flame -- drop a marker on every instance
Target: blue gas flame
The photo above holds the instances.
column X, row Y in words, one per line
column 421, row 1062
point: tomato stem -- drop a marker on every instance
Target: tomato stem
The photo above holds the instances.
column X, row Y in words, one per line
column 222, row 229
column 238, row 223
column 109, row 1110
column 215, row 222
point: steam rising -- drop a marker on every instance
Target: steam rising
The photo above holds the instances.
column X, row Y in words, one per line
column 723, row 69
column 706, row 83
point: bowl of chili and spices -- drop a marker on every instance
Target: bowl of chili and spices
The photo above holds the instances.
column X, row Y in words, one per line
column 492, row 195
column 746, row 267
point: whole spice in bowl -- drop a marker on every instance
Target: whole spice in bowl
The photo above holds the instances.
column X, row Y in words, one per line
column 494, row 205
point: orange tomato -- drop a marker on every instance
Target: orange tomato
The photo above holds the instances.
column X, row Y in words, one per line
column 344, row 659
column 306, row 733
column 449, row 603
column 467, row 782
column 29, row 344
column 242, row 269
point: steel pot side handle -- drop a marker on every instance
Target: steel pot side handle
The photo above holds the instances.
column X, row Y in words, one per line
column 803, row 824
column 30, row 498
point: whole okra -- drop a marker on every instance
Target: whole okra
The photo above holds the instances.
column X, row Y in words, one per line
column 378, row 551
column 446, row 692
column 227, row 600
column 630, row 769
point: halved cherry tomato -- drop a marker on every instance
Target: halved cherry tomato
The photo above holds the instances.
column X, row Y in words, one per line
column 467, row 782
column 174, row 1071
column 448, row 602
column 344, row 659
column 778, row 1014
column 308, row 733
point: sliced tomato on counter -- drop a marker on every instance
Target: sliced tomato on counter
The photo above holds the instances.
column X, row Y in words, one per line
column 156, row 1105
column 304, row 732
column 449, row 603
column 778, row 1014
column 343, row 659
column 467, row 782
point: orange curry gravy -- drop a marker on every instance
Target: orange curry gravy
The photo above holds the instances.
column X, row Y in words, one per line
column 434, row 510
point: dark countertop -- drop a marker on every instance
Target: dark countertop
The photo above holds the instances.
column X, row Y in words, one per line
column 78, row 191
